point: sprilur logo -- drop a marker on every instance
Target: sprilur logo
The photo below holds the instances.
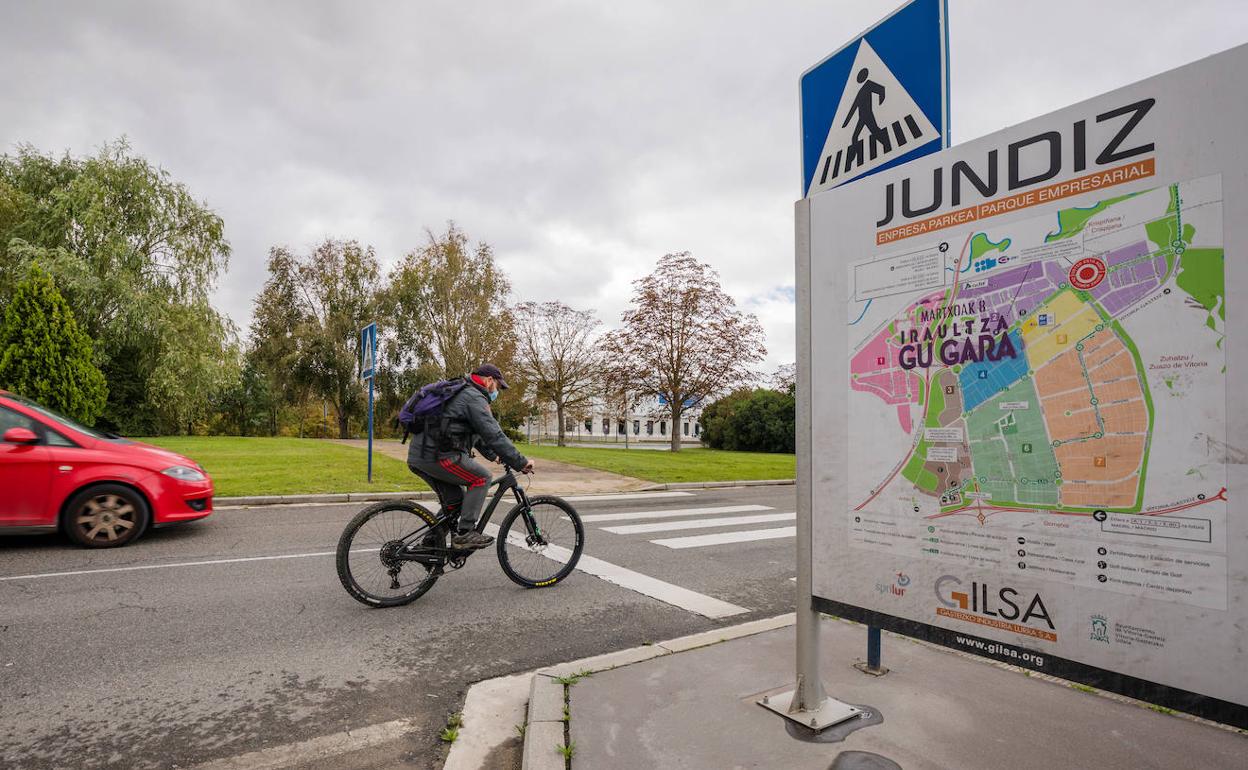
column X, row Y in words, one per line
column 1005, row 607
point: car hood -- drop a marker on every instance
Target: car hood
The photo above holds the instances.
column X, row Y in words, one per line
column 148, row 455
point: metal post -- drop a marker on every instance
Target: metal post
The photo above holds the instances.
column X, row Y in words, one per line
column 873, row 647
column 370, row 429
column 807, row 704
column 809, row 688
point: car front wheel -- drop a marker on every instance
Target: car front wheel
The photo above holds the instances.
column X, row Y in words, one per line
column 105, row 516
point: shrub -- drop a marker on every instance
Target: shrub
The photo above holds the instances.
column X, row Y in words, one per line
column 758, row 420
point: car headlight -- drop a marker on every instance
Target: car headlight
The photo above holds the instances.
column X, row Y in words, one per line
column 183, row 473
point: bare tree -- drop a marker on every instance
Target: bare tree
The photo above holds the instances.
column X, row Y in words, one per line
column 784, row 378
column 618, row 401
column 683, row 339
column 555, row 352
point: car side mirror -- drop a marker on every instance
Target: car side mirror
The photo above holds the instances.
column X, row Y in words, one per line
column 20, row 436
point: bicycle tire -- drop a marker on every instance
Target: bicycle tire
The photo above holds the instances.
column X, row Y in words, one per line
column 521, row 575
column 421, row 516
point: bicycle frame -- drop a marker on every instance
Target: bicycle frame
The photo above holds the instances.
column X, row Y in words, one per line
column 507, row 481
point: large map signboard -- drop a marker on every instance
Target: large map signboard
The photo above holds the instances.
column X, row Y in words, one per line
column 1027, row 411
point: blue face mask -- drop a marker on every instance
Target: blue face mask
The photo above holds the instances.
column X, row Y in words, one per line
column 493, row 395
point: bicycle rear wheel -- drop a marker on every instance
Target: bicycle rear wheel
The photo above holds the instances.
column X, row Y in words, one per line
column 539, row 545
column 366, row 559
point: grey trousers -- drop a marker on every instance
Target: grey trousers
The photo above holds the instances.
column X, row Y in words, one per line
column 459, row 481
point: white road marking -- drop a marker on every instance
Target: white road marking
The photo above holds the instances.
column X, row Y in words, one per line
column 727, row 521
column 692, row 601
column 673, row 512
column 166, row 566
column 624, row 496
column 697, row 541
column 316, row 751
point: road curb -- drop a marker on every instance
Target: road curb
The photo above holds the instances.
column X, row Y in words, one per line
column 540, row 737
column 373, row 497
column 718, row 484
column 345, row 497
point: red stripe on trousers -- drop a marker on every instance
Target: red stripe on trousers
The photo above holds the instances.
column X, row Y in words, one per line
column 472, row 479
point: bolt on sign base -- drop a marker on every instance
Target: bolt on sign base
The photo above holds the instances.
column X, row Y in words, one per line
column 830, row 712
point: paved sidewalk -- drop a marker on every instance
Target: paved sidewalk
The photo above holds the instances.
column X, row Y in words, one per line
column 551, row 477
column 940, row 709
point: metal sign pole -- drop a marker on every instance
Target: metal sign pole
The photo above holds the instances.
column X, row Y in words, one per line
column 806, row 704
column 370, row 429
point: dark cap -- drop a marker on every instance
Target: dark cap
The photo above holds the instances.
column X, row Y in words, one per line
column 490, row 370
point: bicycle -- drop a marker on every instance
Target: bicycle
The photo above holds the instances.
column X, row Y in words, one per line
column 383, row 540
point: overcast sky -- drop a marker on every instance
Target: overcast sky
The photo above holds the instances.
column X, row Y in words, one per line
column 582, row 140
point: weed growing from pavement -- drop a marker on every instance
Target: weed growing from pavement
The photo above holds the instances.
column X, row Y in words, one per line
column 567, row 750
column 567, row 714
column 571, row 679
column 450, row 733
column 519, row 730
column 1160, row 709
column 1083, row 688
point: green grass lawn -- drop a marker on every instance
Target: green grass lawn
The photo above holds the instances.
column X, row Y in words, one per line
column 668, row 467
column 293, row 466
column 289, row 466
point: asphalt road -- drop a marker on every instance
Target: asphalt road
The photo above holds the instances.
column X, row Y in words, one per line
column 190, row 662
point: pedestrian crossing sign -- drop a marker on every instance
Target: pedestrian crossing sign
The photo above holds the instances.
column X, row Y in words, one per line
column 368, row 351
column 881, row 100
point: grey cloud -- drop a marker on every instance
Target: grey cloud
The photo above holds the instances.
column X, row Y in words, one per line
column 583, row 141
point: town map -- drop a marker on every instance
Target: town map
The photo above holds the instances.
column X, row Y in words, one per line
column 1031, row 369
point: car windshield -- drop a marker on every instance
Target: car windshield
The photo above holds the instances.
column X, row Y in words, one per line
column 62, row 419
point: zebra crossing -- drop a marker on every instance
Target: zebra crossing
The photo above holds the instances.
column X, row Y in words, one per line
column 656, row 522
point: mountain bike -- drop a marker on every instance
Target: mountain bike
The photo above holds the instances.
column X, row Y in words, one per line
column 393, row 552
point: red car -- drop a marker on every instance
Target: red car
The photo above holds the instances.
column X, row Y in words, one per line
column 100, row 489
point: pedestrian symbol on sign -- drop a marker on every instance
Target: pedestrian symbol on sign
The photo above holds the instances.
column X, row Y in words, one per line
column 864, row 108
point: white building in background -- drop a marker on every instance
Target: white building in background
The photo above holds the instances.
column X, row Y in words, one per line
column 648, row 422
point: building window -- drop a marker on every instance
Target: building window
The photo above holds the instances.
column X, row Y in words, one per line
column 569, row 425
column 636, row 427
column 662, row 427
column 606, row 427
column 619, row 427
column 649, row 427
column 697, row 427
column 686, row 429
column 589, row 426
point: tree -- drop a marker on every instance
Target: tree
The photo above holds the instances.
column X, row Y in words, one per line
column 332, row 293
column 45, row 356
column 446, row 308
column 683, row 338
column 131, row 250
column 555, row 351
column 618, row 402
column 244, row 403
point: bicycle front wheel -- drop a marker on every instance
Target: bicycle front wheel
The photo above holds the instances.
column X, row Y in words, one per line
column 366, row 557
column 539, row 545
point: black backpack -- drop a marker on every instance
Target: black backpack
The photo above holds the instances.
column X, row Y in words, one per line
column 422, row 413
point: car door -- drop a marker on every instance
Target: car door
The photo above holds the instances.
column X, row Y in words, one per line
column 25, row 474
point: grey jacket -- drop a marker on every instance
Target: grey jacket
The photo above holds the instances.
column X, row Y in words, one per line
column 470, row 422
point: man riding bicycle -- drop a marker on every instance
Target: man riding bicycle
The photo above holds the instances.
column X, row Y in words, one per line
column 445, row 460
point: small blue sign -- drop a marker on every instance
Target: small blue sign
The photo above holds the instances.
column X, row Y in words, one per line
column 368, row 351
column 880, row 101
